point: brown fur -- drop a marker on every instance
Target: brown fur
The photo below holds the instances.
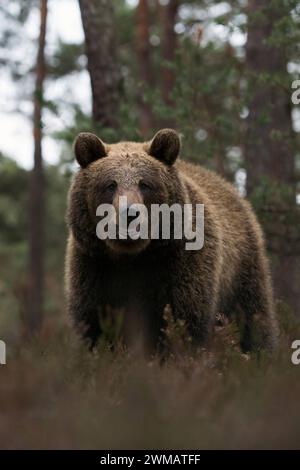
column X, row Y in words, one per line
column 231, row 269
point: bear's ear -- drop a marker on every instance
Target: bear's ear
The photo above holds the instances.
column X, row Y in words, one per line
column 88, row 148
column 165, row 146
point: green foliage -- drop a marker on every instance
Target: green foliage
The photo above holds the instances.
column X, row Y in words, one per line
column 67, row 58
column 13, row 199
column 111, row 323
column 14, row 183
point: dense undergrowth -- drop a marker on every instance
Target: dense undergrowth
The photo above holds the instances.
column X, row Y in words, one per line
column 55, row 394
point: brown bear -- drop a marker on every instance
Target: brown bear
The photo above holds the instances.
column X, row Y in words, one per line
column 140, row 277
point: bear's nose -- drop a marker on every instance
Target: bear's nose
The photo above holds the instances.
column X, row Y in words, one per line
column 126, row 215
column 130, row 218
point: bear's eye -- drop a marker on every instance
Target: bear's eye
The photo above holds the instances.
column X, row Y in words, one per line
column 111, row 186
column 145, row 186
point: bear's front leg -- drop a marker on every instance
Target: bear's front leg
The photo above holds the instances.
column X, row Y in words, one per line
column 82, row 280
column 194, row 295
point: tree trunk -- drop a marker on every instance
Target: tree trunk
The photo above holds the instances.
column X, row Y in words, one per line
column 144, row 64
column 169, row 43
column 37, row 206
column 99, row 29
column 269, row 152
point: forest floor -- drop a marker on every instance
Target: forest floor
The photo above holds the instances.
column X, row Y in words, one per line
column 55, row 394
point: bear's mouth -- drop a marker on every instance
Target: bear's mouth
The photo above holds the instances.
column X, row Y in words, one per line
column 127, row 245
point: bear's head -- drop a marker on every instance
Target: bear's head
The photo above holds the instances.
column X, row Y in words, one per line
column 121, row 175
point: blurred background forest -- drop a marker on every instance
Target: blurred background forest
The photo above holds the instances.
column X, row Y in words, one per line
column 221, row 73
